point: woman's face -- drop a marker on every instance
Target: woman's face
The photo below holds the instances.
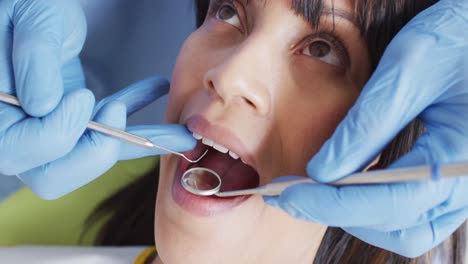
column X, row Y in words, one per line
column 258, row 79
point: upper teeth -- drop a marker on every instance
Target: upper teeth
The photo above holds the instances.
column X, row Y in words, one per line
column 198, row 137
column 215, row 145
column 207, row 142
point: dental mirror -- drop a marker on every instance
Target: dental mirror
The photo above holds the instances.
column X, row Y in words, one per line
column 205, row 182
column 201, row 181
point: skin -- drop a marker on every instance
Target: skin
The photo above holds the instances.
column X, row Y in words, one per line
column 253, row 73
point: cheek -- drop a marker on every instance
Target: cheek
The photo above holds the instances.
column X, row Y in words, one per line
column 309, row 132
column 187, row 77
column 309, row 116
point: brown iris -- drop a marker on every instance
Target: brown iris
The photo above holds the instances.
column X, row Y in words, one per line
column 319, row 49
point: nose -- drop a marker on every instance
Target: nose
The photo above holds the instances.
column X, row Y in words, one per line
column 243, row 77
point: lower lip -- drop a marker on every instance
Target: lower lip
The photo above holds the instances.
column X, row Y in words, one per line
column 200, row 205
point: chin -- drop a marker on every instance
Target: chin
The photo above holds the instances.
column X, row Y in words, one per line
column 192, row 228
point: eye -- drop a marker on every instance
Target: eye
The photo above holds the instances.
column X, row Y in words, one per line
column 323, row 51
column 229, row 15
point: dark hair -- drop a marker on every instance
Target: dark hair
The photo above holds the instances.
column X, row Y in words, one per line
column 129, row 222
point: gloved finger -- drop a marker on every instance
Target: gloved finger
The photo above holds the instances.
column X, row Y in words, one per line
column 72, row 75
column 9, row 115
column 394, row 93
column 94, row 154
column 376, row 205
column 73, row 78
column 173, row 137
column 42, row 41
column 457, row 200
column 445, row 138
column 6, row 48
column 22, row 145
column 432, row 148
column 416, row 240
column 139, row 94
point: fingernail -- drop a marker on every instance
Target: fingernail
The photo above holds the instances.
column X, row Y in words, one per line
column 298, row 214
column 271, row 201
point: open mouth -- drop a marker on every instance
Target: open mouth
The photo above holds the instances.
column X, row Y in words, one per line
column 234, row 173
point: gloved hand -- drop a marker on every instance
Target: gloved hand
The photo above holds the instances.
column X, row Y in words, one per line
column 45, row 142
column 63, row 158
column 424, row 72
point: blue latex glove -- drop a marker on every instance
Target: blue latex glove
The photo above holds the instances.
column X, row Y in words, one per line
column 424, row 72
column 46, row 143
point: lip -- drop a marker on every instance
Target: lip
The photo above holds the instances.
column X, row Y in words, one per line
column 199, row 125
column 200, row 205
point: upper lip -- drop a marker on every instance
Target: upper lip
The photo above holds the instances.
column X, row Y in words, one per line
column 220, row 135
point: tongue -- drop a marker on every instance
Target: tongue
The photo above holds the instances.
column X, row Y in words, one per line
column 235, row 175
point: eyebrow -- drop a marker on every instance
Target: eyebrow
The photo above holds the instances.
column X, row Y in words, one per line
column 313, row 10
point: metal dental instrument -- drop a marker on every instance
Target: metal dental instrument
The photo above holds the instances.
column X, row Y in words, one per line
column 201, row 181
column 205, row 182
column 122, row 135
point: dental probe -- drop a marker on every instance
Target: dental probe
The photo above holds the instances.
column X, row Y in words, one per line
column 434, row 172
column 122, row 135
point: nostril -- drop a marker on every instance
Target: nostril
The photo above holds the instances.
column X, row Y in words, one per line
column 246, row 92
column 259, row 104
column 211, row 85
column 249, row 102
column 212, row 90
